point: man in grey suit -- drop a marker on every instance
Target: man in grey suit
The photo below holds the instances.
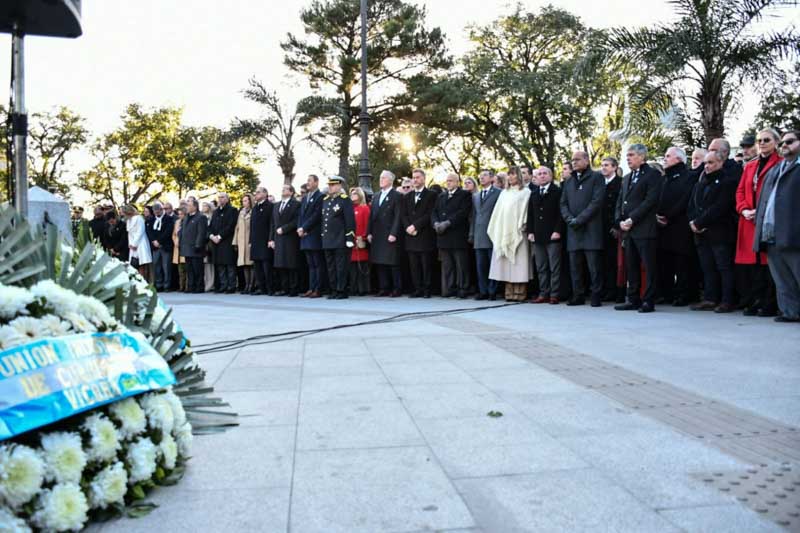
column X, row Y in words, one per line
column 483, row 203
column 778, row 227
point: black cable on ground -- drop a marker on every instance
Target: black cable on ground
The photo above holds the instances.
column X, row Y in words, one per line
column 225, row 345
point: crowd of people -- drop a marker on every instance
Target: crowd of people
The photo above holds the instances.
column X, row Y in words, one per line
column 702, row 229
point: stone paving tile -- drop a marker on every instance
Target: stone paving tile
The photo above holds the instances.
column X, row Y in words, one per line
column 264, row 408
column 231, row 510
column 355, row 425
column 332, row 347
column 516, row 383
column 265, row 357
column 568, row 500
column 717, row 518
column 481, row 360
column 259, row 378
column 357, row 365
column 450, row 400
column 242, row 458
column 425, row 372
column 376, row 490
column 346, row 389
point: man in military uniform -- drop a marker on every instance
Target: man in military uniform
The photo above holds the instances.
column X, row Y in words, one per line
column 338, row 236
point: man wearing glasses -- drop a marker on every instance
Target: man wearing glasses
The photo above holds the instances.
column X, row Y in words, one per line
column 778, row 228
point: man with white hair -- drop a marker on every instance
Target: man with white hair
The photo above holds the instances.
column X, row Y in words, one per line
column 674, row 236
column 160, row 235
column 450, row 220
column 382, row 233
column 731, row 168
column 223, row 226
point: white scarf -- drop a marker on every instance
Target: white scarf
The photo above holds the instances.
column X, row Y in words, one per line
column 508, row 218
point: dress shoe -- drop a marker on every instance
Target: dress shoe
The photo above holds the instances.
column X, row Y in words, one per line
column 661, row 300
column 314, row 294
column 426, row 294
column 306, row 294
column 292, row 294
column 627, row 307
column 576, row 301
column 492, row 297
column 680, row 302
column 341, row 296
column 647, row 308
column 705, row 305
column 539, row 300
column 554, row 301
column 395, row 294
column 767, row 311
column 750, row 311
column 415, row 294
column 462, row 295
column 280, row 293
column 725, row 308
column 786, row 319
column 449, row 295
column 382, row 293
column 331, row 296
column 597, row 301
column 480, row 297
column 230, row 291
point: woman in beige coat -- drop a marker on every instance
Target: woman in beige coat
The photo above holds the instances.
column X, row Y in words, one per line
column 241, row 239
column 177, row 258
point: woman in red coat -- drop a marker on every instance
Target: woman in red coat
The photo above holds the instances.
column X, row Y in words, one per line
column 359, row 261
column 756, row 282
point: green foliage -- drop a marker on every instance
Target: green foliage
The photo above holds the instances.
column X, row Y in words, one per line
column 399, row 47
column 780, row 106
column 692, row 69
column 384, row 154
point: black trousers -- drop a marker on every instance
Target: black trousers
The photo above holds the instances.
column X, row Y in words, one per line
column 578, row 261
column 758, row 288
column 455, row 266
column 288, row 280
column 195, row 274
column 421, row 266
column 338, row 262
column 390, row 278
column 638, row 253
column 716, row 260
column 610, row 245
column 225, row 277
column 359, row 278
column 673, row 275
column 263, row 270
column 315, row 267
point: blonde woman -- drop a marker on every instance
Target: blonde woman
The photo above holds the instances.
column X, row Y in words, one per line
column 139, row 255
column 177, row 258
column 510, row 255
column 207, row 210
column 241, row 239
column 359, row 259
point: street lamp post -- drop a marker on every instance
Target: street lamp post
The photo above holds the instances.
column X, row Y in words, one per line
column 19, row 121
column 364, row 174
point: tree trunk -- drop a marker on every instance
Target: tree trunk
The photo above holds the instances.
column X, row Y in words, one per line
column 712, row 116
column 286, row 162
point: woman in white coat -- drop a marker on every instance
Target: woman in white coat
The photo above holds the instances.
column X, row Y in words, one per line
column 140, row 256
column 510, row 256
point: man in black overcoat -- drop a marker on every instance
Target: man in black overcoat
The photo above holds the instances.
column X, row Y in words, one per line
column 309, row 229
column 545, row 228
column 223, row 226
column 415, row 219
column 159, row 233
column 260, row 252
column 450, row 219
column 613, row 291
column 636, row 218
column 285, row 242
column 193, row 237
column 382, row 234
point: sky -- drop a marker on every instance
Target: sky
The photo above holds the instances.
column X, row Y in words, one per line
column 199, row 55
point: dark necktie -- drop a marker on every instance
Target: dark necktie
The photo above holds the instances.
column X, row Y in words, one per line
column 634, row 179
column 541, row 191
column 283, row 204
column 483, row 195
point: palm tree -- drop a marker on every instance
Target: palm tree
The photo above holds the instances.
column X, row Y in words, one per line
column 698, row 64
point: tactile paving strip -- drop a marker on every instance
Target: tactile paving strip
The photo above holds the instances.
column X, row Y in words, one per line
column 771, row 491
column 736, row 432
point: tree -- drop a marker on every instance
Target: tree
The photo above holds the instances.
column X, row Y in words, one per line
column 384, row 154
column 399, row 47
column 279, row 128
column 518, row 93
column 780, row 106
column 699, row 62
column 51, row 137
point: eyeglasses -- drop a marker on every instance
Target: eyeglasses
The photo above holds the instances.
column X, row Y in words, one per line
column 764, row 141
column 787, row 142
column 406, row 186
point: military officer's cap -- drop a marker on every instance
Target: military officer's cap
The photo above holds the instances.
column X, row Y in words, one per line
column 335, row 180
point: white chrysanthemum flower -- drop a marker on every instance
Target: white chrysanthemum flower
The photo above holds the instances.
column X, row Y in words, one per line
column 14, row 301
column 11, row 523
column 178, row 413
column 80, row 322
column 55, row 326
column 62, row 300
column 159, row 411
column 10, row 338
column 62, row 508
column 29, row 328
column 141, row 459
column 63, row 456
column 130, row 416
column 21, row 474
column 109, row 486
column 103, row 438
column 169, row 451
column 184, row 439
column 94, row 310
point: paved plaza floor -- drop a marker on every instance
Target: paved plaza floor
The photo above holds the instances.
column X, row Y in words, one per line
column 602, row 420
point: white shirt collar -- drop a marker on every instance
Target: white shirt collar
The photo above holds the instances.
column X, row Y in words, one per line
column 609, row 179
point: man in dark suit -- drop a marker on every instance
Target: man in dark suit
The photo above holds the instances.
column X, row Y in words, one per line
column 415, row 218
column 674, row 236
column 382, row 234
column 483, row 203
column 545, row 228
column 285, row 242
column 192, row 243
column 309, row 229
column 223, row 226
column 338, row 236
column 636, row 218
column 260, row 230
column 612, row 290
column 731, row 168
column 778, row 226
column 450, row 221
column 713, row 219
column 159, row 233
column 582, row 210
